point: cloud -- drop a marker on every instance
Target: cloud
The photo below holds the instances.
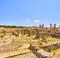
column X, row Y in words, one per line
column 2, row 24
column 36, row 21
column 27, row 20
column 58, row 24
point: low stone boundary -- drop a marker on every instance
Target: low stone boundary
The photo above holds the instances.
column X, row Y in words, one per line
column 43, row 50
column 43, row 54
column 51, row 46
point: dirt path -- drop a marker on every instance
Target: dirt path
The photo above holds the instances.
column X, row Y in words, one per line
column 28, row 55
column 22, row 51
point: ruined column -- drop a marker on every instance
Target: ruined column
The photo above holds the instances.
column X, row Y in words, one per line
column 23, row 31
column 37, row 34
column 28, row 32
column 54, row 25
column 50, row 26
column 42, row 25
column 55, row 29
column 39, row 26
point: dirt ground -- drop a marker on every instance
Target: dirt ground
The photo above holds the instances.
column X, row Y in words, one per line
column 28, row 55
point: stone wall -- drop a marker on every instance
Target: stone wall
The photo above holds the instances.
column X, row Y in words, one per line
column 43, row 54
column 51, row 46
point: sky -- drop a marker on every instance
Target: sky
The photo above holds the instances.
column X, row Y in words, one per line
column 29, row 12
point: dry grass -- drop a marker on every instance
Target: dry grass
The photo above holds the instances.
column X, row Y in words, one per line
column 50, row 39
column 56, row 53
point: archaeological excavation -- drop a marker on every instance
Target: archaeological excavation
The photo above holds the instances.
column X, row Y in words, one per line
column 30, row 42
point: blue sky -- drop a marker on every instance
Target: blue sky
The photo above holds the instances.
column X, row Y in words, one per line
column 29, row 12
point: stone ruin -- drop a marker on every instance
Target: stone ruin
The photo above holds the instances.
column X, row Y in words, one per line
column 42, row 50
column 38, row 31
